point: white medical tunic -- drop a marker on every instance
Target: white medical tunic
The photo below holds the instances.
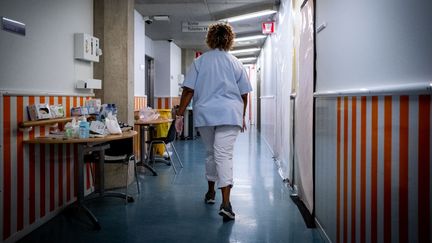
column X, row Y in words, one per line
column 218, row 80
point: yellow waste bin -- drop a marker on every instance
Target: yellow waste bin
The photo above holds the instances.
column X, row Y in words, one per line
column 162, row 129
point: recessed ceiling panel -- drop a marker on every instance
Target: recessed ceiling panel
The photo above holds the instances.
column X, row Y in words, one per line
column 176, row 11
column 198, row 10
column 166, row 1
column 240, row 1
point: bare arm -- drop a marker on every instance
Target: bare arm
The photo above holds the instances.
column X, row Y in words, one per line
column 186, row 97
column 245, row 102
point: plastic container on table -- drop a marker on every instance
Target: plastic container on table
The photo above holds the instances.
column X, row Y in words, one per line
column 84, row 129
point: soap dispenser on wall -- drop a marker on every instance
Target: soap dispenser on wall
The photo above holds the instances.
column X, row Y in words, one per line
column 86, row 47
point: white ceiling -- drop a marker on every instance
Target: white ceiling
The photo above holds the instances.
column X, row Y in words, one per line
column 202, row 10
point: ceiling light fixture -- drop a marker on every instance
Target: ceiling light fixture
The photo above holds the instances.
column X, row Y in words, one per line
column 249, row 15
column 244, row 43
column 161, row 17
column 252, row 37
column 244, row 50
column 247, row 59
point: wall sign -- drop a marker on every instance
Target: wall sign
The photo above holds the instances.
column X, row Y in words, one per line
column 196, row 26
column 268, row 27
column 13, row 26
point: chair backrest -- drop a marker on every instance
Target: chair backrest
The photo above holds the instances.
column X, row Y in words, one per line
column 120, row 147
column 171, row 133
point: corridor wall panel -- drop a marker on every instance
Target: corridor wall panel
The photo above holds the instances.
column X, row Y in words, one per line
column 325, row 180
column 373, row 168
column 36, row 181
column 382, row 144
column 369, row 44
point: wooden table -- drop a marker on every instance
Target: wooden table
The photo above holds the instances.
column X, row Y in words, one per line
column 150, row 124
column 86, row 145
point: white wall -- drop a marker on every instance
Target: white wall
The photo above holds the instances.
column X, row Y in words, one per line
column 175, row 68
column 188, row 56
column 373, row 43
column 149, row 47
column 252, row 105
column 268, row 94
column 42, row 60
column 139, row 55
column 167, row 58
column 162, row 68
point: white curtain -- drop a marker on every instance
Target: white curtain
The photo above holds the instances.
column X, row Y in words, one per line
column 304, row 109
column 284, row 54
column 277, row 62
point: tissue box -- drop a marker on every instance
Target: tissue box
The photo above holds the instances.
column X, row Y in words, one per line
column 93, row 105
column 39, row 112
column 97, row 127
column 57, row 111
column 79, row 111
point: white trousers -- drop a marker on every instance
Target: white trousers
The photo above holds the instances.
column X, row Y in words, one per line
column 219, row 142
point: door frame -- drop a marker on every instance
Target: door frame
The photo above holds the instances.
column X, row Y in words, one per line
column 149, row 80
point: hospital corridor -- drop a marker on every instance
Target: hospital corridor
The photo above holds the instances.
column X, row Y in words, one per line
column 246, row 121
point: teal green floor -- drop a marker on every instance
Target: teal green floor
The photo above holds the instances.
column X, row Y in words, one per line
column 170, row 208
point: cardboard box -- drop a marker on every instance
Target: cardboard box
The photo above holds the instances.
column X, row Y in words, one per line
column 39, row 112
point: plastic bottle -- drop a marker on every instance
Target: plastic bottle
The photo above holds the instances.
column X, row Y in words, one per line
column 69, row 132
column 108, row 108
column 84, row 129
column 114, row 110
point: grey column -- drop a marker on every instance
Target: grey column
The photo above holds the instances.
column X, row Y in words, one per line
column 114, row 26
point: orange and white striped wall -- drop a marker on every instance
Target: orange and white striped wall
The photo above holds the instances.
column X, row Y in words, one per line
column 166, row 102
column 373, row 168
column 140, row 102
column 36, row 181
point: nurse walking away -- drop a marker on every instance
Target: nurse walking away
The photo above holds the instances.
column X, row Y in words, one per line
column 219, row 86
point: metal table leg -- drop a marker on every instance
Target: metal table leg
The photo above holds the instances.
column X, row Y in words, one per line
column 82, row 150
column 101, row 177
column 144, row 161
column 80, row 194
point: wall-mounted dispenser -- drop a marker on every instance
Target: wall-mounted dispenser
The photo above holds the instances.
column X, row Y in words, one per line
column 87, row 47
column 89, row 84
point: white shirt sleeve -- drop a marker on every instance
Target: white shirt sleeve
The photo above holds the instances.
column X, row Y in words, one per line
column 243, row 83
column 191, row 76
